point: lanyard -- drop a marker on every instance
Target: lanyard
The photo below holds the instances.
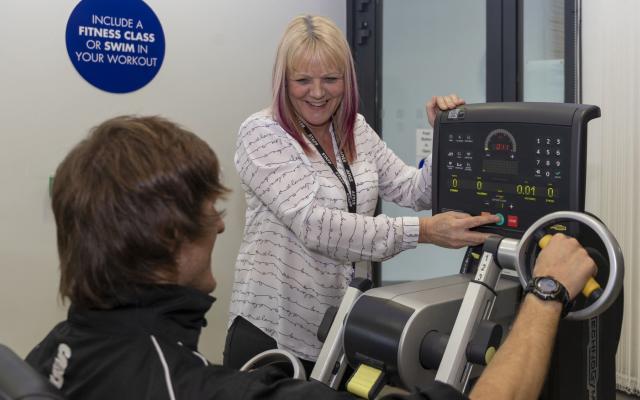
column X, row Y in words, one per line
column 351, row 195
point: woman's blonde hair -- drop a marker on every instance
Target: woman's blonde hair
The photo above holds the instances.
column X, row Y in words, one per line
column 312, row 38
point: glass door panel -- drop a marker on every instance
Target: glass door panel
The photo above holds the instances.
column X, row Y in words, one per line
column 543, row 55
column 429, row 47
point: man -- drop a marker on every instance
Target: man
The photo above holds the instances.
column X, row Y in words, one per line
column 134, row 205
column 530, row 342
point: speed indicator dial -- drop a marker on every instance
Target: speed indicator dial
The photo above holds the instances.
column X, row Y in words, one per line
column 500, row 143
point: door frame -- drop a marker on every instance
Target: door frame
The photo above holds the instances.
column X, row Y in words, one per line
column 504, row 69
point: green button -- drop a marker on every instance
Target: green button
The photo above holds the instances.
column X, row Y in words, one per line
column 501, row 222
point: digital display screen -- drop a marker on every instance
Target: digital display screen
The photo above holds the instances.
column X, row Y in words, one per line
column 502, row 147
column 481, row 187
column 519, row 171
column 500, row 167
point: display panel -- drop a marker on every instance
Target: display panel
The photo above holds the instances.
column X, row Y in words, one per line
column 517, row 170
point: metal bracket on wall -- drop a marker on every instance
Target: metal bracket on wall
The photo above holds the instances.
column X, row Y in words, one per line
column 364, row 32
column 361, row 5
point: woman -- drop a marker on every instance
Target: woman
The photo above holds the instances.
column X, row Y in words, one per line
column 312, row 170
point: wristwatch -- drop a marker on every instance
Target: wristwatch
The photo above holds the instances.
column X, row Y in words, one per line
column 547, row 288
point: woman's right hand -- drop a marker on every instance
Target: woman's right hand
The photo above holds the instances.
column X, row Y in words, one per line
column 452, row 229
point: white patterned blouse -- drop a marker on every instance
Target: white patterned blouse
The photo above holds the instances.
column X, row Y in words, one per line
column 299, row 240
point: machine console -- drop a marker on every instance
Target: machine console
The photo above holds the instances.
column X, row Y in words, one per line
column 520, row 161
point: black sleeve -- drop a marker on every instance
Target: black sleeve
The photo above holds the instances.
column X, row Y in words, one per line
column 266, row 383
column 273, row 383
column 433, row 391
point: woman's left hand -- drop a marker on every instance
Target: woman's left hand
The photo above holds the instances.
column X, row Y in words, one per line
column 442, row 103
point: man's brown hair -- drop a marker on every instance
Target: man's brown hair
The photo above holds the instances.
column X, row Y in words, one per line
column 124, row 200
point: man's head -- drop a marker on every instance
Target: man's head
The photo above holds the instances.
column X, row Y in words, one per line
column 134, row 205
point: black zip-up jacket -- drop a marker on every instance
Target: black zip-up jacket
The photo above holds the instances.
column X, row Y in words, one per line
column 147, row 349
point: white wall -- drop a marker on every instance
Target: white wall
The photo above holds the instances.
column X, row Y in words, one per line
column 611, row 61
column 216, row 71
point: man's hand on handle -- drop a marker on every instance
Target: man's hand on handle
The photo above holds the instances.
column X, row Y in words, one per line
column 565, row 260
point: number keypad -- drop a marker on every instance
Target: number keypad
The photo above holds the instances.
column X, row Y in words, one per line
column 548, row 157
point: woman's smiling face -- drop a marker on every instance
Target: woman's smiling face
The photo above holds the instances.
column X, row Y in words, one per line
column 315, row 91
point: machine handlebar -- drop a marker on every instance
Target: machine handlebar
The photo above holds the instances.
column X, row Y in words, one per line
column 602, row 298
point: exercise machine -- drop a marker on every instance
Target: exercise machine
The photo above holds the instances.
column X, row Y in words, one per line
column 525, row 162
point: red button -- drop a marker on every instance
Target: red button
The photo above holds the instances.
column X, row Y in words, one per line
column 512, row 221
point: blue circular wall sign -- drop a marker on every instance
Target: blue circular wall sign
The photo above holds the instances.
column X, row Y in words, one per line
column 116, row 45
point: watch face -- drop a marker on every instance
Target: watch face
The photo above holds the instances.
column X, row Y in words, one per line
column 547, row 285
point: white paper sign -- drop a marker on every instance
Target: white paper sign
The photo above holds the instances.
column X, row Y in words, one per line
column 424, row 144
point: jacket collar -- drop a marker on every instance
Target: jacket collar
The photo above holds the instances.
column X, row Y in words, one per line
column 169, row 311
